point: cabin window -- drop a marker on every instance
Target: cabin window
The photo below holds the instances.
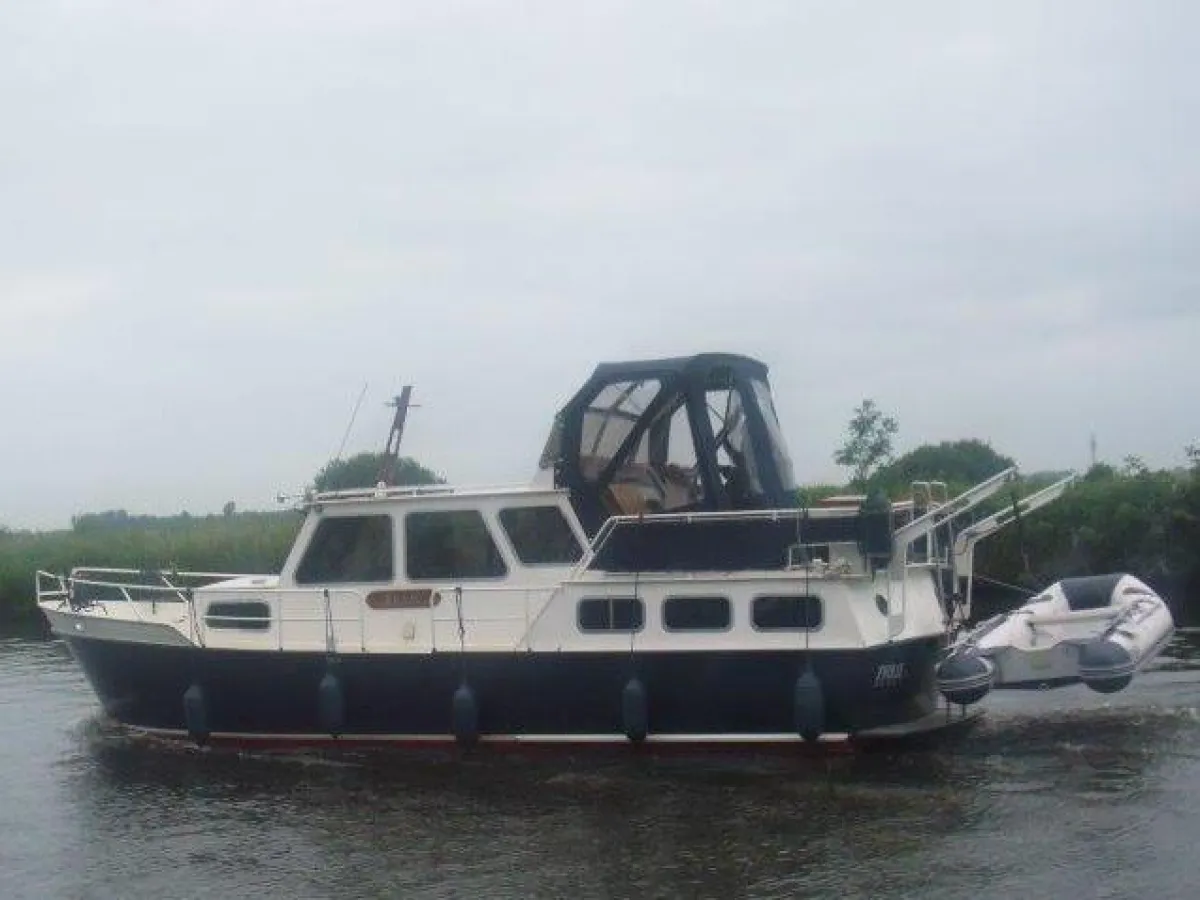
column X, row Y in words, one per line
column 611, row 614
column 243, row 615
column 348, row 549
column 696, row 614
column 611, row 418
column 792, row 612
column 540, row 535
column 451, row 544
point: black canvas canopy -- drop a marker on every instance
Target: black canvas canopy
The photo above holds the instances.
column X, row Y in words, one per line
column 687, row 433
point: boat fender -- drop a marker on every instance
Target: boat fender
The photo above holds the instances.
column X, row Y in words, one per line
column 464, row 716
column 195, row 714
column 634, row 711
column 965, row 678
column 809, row 706
column 331, row 703
column 1105, row 666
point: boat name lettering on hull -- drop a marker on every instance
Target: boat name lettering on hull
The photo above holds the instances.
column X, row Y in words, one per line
column 889, row 675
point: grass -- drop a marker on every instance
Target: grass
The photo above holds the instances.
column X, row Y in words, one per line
column 243, row 542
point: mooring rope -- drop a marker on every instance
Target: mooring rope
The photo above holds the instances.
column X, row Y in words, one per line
column 1004, row 584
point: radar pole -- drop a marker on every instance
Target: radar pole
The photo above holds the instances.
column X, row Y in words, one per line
column 391, row 453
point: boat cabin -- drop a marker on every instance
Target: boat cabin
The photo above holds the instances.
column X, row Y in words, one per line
column 435, row 535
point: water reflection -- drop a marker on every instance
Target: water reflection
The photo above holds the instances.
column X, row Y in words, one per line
column 1183, row 654
column 873, row 824
column 533, row 827
column 1020, row 806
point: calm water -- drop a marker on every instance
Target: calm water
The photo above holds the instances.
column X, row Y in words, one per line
column 1064, row 793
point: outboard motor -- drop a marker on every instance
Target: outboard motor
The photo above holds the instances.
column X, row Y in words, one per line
column 965, row 677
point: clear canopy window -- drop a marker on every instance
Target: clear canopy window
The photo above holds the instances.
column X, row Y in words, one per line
column 695, row 433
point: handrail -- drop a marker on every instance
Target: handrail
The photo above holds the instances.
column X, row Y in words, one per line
column 62, row 591
column 963, row 551
column 724, row 515
column 1104, row 612
column 398, row 492
column 101, row 570
column 952, row 509
column 284, row 613
column 964, row 543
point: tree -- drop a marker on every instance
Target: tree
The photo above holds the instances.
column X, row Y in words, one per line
column 868, row 442
column 959, row 464
column 363, row 471
column 1134, row 466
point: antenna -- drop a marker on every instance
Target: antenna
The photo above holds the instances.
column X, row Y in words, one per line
column 350, row 424
column 1093, row 448
column 391, row 452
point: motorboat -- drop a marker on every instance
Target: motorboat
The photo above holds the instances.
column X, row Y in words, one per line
column 657, row 583
column 1097, row 630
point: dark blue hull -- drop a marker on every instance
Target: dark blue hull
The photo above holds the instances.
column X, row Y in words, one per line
column 695, row 695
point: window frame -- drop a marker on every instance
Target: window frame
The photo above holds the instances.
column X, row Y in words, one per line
column 580, row 546
column 298, row 575
column 638, row 602
column 676, row 598
column 484, row 518
column 227, row 622
column 788, row 629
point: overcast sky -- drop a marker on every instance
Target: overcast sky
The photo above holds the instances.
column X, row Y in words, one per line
column 218, row 220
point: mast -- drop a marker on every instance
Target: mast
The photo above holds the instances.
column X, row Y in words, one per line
column 391, row 452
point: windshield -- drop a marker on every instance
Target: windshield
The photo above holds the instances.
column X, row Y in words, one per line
column 776, row 445
column 736, row 460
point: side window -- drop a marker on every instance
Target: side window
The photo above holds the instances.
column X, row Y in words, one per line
column 790, row 612
column 244, row 615
column 452, row 544
column 696, row 614
column 348, row 549
column 540, row 534
column 611, row 614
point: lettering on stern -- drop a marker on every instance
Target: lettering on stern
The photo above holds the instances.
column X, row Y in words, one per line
column 890, row 675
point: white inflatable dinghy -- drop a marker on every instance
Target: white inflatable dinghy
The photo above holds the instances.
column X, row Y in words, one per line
column 1099, row 630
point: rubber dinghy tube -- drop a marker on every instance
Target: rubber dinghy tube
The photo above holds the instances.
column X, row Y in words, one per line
column 634, row 715
column 809, row 705
column 195, row 714
column 464, row 716
column 1105, row 666
column 331, row 702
